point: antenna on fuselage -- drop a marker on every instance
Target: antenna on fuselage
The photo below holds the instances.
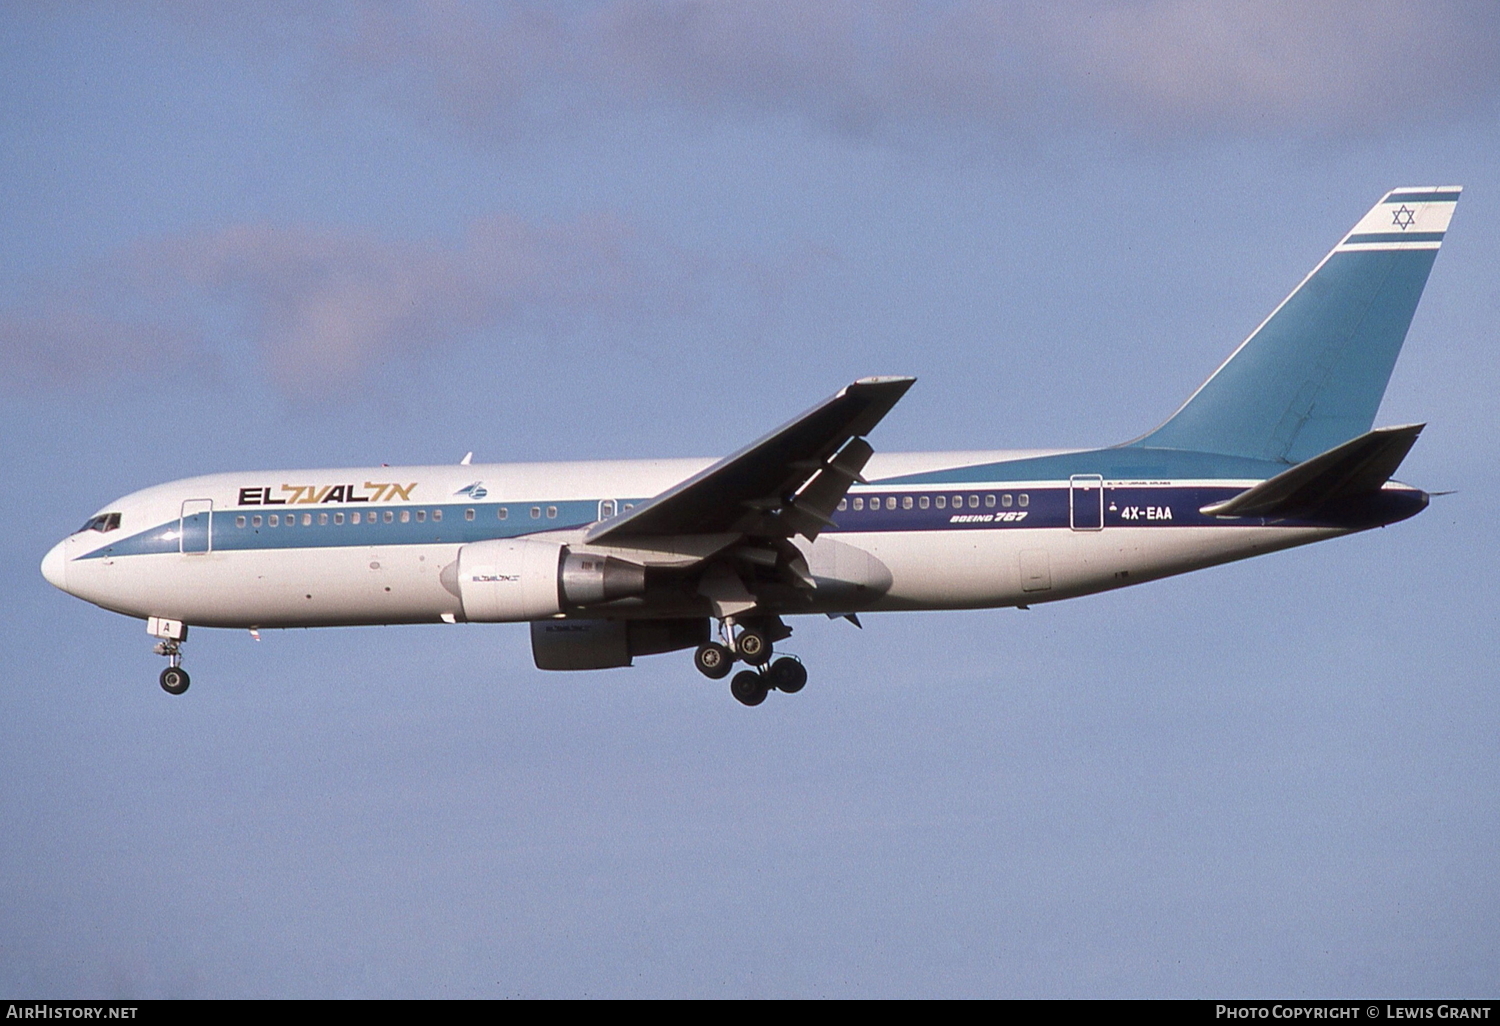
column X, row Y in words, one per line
column 465, row 461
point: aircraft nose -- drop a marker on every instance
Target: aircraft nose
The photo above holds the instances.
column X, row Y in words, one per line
column 55, row 567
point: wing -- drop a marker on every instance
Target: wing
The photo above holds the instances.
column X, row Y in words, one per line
column 787, row 483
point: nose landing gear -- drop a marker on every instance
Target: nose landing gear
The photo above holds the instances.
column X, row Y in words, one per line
column 174, row 679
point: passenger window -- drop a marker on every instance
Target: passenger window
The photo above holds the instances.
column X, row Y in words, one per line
column 239, row 521
column 906, row 502
column 859, row 503
column 388, row 517
column 354, row 517
column 973, row 502
column 942, row 502
column 255, row 520
column 322, row 519
column 338, row 518
column 468, row 514
column 536, row 512
column 923, row 501
column 502, row 512
column 551, row 512
column 989, row 501
column 1005, row 500
column 437, row 515
column 273, row 520
column 958, row 502
column 890, row 502
column 406, row 516
column 421, row 516
column 1024, row 499
column 307, row 520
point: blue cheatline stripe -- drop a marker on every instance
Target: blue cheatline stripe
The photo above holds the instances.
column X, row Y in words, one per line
column 983, row 508
column 1423, row 197
column 1395, row 237
column 453, row 529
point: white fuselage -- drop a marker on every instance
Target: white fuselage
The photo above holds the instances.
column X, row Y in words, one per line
column 378, row 545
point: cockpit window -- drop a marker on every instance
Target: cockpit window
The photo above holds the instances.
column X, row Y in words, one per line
column 101, row 523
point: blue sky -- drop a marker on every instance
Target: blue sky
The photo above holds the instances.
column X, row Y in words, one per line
column 347, row 234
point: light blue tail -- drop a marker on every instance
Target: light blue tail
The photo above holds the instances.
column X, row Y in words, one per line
column 1312, row 375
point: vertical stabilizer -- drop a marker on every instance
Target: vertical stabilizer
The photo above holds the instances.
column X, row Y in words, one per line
column 1312, row 375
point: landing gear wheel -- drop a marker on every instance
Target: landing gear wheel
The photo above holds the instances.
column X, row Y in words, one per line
column 787, row 675
column 713, row 660
column 748, row 687
column 174, row 680
column 753, row 647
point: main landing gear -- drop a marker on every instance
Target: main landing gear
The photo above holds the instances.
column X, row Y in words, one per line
column 751, row 645
column 174, row 679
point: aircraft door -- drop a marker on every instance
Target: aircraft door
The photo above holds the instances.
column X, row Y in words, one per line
column 195, row 531
column 1086, row 502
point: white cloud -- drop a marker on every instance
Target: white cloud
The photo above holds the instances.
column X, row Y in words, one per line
column 1154, row 67
column 325, row 308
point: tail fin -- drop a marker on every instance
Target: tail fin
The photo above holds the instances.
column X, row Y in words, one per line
column 1312, row 375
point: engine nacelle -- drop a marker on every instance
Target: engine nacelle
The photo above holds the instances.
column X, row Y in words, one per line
column 510, row 579
column 603, row 644
column 513, row 579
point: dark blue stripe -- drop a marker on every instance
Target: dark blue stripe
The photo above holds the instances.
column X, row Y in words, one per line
column 1119, row 463
column 1395, row 237
column 1423, row 197
column 1124, row 506
column 1046, row 507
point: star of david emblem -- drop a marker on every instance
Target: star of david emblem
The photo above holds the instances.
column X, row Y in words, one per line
column 1404, row 217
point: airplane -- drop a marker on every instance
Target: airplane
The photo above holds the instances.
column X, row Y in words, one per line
column 609, row 561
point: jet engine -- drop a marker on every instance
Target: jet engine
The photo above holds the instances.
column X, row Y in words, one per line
column 513, row 579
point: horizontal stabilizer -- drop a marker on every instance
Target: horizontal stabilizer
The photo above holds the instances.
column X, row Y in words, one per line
column 1360, row 466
